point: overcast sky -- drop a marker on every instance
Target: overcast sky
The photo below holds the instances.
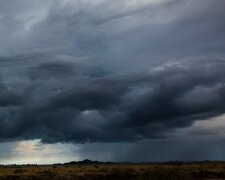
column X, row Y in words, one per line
column 121, row 80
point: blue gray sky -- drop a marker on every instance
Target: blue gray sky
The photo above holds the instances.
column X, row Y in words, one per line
column 122, row 80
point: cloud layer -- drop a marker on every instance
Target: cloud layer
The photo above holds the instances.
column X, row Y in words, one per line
column 103, row 71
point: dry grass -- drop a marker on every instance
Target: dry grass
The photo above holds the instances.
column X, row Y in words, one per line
column 117, row 171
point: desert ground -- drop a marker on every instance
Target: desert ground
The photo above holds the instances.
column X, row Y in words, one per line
column 144, row 171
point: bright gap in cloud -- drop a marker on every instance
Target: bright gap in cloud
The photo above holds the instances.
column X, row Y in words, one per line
column 35, row 152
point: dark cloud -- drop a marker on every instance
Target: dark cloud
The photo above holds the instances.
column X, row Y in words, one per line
column 8, row 98
column 114, row 108
column 109, row 71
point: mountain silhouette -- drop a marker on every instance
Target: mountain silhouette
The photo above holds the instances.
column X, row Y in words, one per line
column 86, row 161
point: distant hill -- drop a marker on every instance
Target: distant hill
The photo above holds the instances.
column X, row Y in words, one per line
column 90, row 162
column 86, row 161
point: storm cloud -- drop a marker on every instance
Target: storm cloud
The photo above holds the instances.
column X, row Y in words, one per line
column 109, row 71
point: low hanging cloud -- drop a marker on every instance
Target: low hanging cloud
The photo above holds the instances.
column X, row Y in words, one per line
column 109, row 71
column 62, row 104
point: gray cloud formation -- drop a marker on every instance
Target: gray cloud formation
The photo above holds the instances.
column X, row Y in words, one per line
column 78, row 71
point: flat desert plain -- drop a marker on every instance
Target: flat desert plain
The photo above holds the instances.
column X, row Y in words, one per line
column 144, row 171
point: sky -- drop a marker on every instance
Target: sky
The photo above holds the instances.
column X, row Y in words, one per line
column 122, row 80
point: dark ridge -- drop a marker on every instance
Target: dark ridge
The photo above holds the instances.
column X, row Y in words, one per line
column 90, row 162
column 86, row 161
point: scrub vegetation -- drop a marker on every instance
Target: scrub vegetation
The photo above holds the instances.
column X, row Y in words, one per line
column 153, row 171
